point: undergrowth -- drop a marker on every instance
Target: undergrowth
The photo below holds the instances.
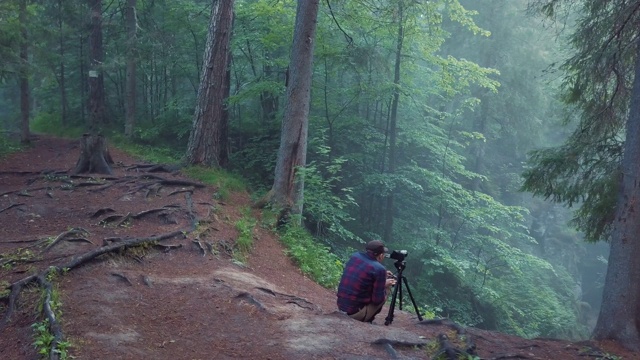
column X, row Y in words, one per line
column 314, row 259
column 43, row 338
column 8, row 146
column 244, row 242
column 152, row 154
column 48, row 123
column 224, row 181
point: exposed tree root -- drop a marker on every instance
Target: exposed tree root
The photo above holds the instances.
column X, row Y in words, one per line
column 245, row 296
column 460, row 347
column 66, row 236
column 101, row 212
column 291, row 299
column 10, row 206
column 181, row 191
column 123, row 278
column 167, row 248
column 94, row 177
column 54, row 326
column 152, row 186
column 199, row 244
column 154, row 168
column 172, row 182
column 21, row 241
column 125, row 219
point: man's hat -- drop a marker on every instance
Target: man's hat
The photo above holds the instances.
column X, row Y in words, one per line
column 377, row 247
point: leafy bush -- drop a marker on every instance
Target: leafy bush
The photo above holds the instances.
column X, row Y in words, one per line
column 314, row 259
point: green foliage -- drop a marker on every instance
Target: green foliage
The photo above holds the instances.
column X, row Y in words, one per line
column 225, row 182
column 244, row 242
column 326, row 206
column 42, row 338
column 314, row 259
column 50, row 123
column 8, row 146
column 578, row 173
column 471, row 106
column 5, row 288
column 16, row 256
column 153, row 154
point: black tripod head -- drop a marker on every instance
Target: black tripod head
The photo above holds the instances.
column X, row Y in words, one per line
column 400, row 265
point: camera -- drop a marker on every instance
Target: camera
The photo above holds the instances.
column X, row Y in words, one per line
column 398, row 255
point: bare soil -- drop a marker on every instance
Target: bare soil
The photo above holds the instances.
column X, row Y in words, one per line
column 191, row 301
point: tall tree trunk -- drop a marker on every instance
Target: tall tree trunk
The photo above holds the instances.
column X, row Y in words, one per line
column 288, row 186
column 94, row 156
column 393, row 120
column 62, row 83
column 620, row 311
column 130, row 98
column 24, row 74
column 207, row 141
column 83, row 87
column 96, row 78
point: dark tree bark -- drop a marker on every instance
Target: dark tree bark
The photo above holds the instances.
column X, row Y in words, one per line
column 130, row 97
column 96, row 78
column 393, row 121
column 208, row 138
column 94, row 156
column 620, row 311
column 287, row 192
column 62, row 78
column 24, row 74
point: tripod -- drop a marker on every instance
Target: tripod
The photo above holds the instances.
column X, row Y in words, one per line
column 400, row 265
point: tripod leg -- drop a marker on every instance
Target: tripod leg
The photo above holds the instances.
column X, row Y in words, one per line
column 389, row 317
column 411, row 297
column 400, row 293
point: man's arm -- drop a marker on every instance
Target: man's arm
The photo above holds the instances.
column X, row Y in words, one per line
column 379, row 287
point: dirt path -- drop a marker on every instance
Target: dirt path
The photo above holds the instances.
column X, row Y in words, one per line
column 178, row 303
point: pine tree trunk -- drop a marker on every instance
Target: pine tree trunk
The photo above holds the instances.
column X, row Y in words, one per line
column 620, row 311
column 288, row 187
column 96, row 78
column 130, row 97
column 208, row 139
column 63, row 87
column 94, row 156
column 24, row 75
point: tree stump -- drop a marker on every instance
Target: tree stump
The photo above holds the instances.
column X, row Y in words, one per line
column 94, row 156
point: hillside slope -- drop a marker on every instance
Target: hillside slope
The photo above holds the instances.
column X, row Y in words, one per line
column 185, row 297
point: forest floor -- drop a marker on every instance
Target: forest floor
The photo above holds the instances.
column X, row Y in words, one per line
column 189, row 299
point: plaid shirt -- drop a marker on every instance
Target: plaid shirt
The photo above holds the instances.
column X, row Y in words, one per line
column 363, row 282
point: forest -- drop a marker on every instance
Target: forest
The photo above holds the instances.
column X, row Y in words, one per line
column 488, row 138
